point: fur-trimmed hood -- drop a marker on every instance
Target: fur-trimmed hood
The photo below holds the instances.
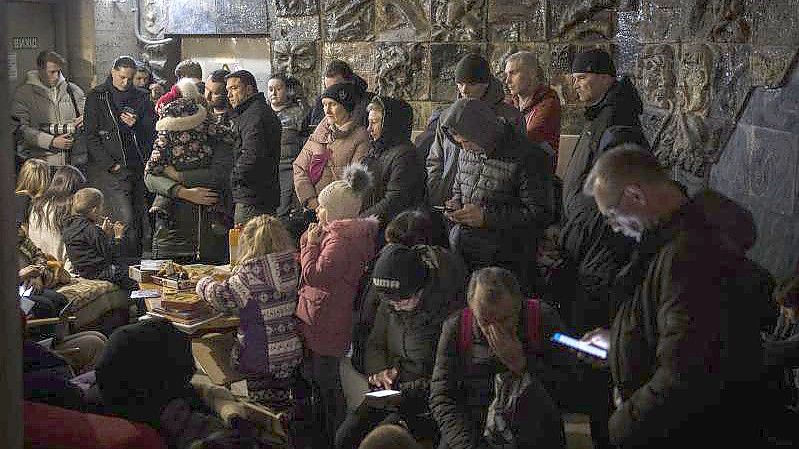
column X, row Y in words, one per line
column 182, row 123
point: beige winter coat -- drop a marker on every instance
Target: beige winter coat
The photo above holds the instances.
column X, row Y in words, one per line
column 347, row 145
column 36, row 104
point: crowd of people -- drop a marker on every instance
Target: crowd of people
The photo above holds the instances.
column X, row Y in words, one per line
column 370, row 262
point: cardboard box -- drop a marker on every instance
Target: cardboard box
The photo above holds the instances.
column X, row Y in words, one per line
column 183, row 284
column 135, row 272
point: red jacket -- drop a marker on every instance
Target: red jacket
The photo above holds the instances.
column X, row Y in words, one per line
column 542, row 117
column 331, row 273
column 53, row 427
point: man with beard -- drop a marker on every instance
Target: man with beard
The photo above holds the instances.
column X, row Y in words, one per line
column 216, row 92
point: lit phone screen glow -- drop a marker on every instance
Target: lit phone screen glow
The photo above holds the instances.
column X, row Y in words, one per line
column 580, row 345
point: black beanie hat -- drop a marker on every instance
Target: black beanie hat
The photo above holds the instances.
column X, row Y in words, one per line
column 595, row 60
column 345, row 94
column 399, row 272
column 472, row 69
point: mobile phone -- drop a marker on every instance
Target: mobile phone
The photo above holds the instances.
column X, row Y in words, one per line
column 382, row 393
column 129, row 110
column 443, row 209
column 580, row 345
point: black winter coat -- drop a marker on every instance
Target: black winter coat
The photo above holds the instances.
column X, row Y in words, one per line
column 254, row 179
column 461, row 389
column 595, row 252
column 685, row 351
column 513, row 185
column 399, row 174
column 109, row 140
column 92, row 252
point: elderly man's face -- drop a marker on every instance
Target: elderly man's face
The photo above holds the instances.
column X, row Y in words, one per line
column 520, row 80
column 493, row 311
column 623, row 214
column 591, row 87
column 472, row 90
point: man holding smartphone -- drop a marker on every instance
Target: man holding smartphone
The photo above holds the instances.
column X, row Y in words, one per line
column 120, row 122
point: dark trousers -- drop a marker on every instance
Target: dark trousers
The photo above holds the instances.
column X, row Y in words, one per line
column 327, row 397
column 124, row 201
column 288, row 199
column 244, row 212
column 49, row 303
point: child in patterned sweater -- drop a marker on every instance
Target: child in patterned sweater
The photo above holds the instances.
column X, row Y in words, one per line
column 187, row 137
column 263, row 292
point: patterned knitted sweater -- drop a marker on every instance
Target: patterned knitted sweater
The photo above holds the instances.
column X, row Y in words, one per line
column 263, row 293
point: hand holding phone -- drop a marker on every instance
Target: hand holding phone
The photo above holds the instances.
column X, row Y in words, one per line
column 580, row 346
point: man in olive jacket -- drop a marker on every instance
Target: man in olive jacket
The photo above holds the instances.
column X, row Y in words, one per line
column 685, row 352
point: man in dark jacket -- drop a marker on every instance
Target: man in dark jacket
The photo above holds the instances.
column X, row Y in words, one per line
column 256, row 187
column 474, row 80
column 392, row 160
column 120, row 127
column 502, row 193
column 468, row 384
column 415, row 299
column 685, row 352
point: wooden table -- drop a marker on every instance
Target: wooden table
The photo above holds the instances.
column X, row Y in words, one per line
column 222, row 324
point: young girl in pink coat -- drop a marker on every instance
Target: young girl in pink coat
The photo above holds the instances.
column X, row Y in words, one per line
column 334, row 255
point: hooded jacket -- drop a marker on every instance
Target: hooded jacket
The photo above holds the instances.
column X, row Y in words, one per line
column 254, row 178
column 263, row 293
column 110, row 141
column 36, row 104
column 685, row 351
column 395, row 165
column 343, row 146
column 595, row 251
column 331, row 273
column 511, row 182
column 442, row 159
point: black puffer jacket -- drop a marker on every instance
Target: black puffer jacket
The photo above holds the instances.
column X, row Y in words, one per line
column 395, row 165
column 109, row 140
column 595, row 252
column 511, row 182
column 93, row 253
column 446, row 286
column 462, row 388
column 685, row 350
column 255, row 163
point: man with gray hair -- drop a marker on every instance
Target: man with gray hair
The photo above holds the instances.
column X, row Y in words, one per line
column 538, row 102
column 684, row 343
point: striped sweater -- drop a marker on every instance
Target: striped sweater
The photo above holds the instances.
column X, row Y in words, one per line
column 263, row 293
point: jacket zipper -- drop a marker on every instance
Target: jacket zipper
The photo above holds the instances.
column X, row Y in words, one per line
column 119, row 134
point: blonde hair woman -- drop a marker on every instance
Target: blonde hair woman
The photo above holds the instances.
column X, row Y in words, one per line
column 263, row 292
column 32, row 181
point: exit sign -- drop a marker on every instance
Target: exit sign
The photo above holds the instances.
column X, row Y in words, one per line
column 23, row 43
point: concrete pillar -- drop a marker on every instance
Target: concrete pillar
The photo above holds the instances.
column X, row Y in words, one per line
column 10, row 333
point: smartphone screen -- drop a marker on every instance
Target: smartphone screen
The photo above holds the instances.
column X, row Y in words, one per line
column 580, row 345
column 382, row 393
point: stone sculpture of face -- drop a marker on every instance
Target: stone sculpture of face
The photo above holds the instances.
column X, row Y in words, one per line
column 657, row 75
column 297, row 59
column 695, row 73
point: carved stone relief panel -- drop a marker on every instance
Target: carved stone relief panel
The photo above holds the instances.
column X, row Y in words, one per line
column 153, row 15
column 777, row 24
column 403, row 70
column 517, row 20
column 349, row 20
column 717, row 20
column 403, row 20
column 571, row 20
column 444, row 58
column 242, row 17
column 296, row 28
column 658, row 21
column 191, row 16
column 421, row 114
column 732, row 80
column 298, row 59
column 656, row 76
column 458, row 20
column 359, row 55
column 293, row 8
column 770, row 65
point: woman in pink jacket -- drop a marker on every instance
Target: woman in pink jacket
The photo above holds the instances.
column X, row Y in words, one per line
column 334, row 255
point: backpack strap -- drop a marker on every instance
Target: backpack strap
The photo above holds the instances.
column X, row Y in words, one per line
column 72, row 97
column 533, row 311
column 465, row 335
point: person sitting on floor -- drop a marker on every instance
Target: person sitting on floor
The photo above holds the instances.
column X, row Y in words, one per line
column 263, row 292
column 90, row 245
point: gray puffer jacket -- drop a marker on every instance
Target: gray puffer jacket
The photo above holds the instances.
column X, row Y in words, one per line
column 511, row 182
column 291, row 141
column 442, row 159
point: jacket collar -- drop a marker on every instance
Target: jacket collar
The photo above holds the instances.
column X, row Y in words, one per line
column 539, row 94
column 238, row 110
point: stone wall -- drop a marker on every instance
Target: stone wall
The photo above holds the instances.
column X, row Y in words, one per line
column 696, row 62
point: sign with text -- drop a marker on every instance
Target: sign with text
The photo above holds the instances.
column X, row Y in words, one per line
column 25, row 43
